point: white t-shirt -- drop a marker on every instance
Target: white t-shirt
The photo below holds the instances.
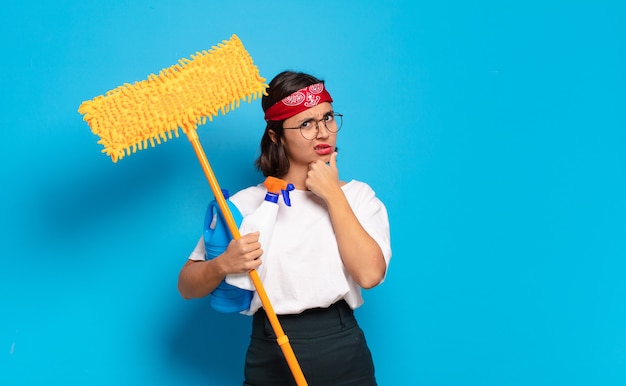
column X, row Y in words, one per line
column 303, row 268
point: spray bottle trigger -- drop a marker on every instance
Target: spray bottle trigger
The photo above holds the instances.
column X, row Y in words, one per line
column 285, row 193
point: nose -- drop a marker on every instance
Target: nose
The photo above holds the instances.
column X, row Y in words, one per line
column 322, row 131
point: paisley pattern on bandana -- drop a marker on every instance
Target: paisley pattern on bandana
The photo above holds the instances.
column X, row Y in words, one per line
column 294, row 99
column 297, row 102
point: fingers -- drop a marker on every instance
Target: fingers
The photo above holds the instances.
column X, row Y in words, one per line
column 250, row 237
column 249, row 246
column 243, row 254
column 333, row 160
column 325, row 168
column 323, row 178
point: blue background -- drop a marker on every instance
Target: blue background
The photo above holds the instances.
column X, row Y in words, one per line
column 493, row 131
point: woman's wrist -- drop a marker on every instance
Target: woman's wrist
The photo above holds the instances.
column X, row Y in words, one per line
column 214, row 269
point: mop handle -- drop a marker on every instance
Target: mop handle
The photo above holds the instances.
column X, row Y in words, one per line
column 281, row 338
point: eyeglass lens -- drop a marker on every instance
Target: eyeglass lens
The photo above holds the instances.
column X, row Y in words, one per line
column 311, row 129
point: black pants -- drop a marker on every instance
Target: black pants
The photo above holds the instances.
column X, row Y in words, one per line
column 328, row 343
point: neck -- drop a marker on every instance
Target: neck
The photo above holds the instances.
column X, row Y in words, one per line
column 297, row 178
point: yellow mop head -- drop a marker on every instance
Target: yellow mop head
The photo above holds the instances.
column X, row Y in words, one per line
column 182, row 96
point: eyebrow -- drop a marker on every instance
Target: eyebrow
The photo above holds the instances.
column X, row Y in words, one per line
column 329, row 112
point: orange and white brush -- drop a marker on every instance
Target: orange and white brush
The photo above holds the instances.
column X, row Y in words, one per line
column 135, row 116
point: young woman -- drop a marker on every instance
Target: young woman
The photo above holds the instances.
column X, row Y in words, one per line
column 332, row 242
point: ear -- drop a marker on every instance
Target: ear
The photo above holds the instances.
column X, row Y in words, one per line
column 273, row 136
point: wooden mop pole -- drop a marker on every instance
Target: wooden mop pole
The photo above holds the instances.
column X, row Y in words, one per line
column 281, row 338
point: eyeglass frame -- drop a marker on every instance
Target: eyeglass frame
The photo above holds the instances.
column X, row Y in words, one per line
column 317, row 125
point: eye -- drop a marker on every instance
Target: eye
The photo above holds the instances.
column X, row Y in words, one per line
column 329, row 117
column 306, row 124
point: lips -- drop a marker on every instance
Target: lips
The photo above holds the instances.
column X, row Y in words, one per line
column 323, row 149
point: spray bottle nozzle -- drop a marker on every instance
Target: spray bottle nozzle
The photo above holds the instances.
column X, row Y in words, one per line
column 275, row 185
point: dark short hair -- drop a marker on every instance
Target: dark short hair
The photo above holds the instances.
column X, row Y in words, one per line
column 273, row 161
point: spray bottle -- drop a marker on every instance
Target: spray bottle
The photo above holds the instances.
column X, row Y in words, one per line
column 262, row 220
column 225, row 298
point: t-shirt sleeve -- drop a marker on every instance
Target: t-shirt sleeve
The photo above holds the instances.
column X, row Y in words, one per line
column 198, row 253
column 372, row 214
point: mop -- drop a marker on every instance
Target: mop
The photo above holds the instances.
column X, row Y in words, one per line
column 136, row 116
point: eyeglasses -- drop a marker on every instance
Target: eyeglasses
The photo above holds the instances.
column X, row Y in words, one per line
column 332, row 123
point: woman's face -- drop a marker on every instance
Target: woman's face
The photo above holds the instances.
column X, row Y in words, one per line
column 301, row 151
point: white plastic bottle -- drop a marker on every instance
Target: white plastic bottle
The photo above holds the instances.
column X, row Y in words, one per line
column 262, row 220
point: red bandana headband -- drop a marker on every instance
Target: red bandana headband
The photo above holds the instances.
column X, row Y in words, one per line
column 297, row 102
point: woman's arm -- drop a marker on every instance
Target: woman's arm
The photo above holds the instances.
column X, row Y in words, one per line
column 360, row 253
column 199, row 278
